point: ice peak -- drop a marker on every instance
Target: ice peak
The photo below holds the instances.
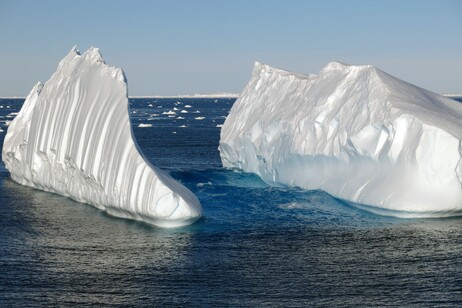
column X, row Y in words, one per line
column 37, row 88
column 94, row 55
column 331, row 67
column 74, row 50
column 336, row 66
column 260, row 68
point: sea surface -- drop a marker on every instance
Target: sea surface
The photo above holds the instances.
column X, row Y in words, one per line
column 256, row 246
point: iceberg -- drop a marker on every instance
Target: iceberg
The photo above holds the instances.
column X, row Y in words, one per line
column 73, row 137
column 356, row 132
column 142, row 125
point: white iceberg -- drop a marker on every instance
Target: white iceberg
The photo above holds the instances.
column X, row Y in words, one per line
column 73, row 137
column 170, row 112
column 353, row 131
column 143, row 125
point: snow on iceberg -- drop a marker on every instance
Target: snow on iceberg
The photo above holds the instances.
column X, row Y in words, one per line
column 73, row 137
column 353, row 131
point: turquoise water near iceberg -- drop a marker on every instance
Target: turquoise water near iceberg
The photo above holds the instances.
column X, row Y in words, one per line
column 257, row 245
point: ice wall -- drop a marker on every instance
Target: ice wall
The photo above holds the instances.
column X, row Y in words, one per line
column 353, row 131
column 73, row 137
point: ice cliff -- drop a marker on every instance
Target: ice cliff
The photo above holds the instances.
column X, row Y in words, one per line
column 355, row 132
column 73, row 137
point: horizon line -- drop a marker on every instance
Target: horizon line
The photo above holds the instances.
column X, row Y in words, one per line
column 197, row 95
column 213, row 95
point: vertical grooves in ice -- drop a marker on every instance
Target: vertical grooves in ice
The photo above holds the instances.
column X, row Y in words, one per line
column 73, row 137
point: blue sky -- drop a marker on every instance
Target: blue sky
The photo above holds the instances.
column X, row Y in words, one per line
column 183, row 47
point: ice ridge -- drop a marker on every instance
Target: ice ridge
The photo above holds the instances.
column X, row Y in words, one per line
column 73, row 137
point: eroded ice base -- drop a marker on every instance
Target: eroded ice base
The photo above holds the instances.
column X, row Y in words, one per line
column 353, row 131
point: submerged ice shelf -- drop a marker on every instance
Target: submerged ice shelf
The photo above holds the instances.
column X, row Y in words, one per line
column 353, row 131
column 73, row 137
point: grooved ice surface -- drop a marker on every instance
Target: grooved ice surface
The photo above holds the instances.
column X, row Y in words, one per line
column 73, row 137
column 353, row 131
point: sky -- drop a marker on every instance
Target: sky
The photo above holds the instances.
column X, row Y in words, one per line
column 175, row 47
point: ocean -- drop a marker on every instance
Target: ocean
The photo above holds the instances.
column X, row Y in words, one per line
column 257, row 245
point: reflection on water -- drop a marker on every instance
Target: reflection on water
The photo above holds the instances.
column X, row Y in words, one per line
column 56, row 251
column 256, row 246
column 61, row 249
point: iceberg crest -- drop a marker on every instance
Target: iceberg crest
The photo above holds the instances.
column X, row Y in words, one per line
column 73, row 137
column 355, row 132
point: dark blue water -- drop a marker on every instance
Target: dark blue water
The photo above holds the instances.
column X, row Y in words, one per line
column 256, row 246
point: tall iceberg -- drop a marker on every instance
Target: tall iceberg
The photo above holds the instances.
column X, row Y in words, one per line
column 73, row 137
column 355, row 132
